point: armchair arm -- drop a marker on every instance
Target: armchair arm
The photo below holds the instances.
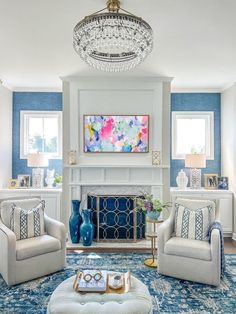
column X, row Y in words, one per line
column 164, row 233
column 55, row 229
column 216, row 255
column 215, row 244
column 8, row 253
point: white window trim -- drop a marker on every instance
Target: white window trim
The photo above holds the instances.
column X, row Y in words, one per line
column 209, row 118
column 24, row 114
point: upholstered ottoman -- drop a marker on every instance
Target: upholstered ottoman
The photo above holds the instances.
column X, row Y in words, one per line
column 65, row 300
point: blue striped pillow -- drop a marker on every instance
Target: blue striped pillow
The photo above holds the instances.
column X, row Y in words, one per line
column 193, row 223
column 27, row 223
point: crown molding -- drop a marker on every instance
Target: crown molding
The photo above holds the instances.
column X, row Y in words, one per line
column 37, row 89
column 228, row 86
column 117, row 78
column 195, row 90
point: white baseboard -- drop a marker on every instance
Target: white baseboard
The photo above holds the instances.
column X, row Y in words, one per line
column 228, row 235
column 234, row 236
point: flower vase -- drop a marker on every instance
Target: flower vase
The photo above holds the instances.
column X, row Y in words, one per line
column 86, row 228
column 153, row 215
column 75, row 221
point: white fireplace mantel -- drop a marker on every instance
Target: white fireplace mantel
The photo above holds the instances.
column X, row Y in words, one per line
column 92, row 175
column 117, row 166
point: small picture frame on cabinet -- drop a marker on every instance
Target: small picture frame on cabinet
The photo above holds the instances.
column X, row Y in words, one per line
column 13, row 184
column 24, row 181
column 211, row 181
column 223, row 183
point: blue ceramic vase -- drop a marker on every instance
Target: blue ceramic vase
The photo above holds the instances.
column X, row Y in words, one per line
column 153, row 215
column 75, row 221
column 86, row 228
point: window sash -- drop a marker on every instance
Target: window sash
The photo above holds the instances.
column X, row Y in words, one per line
column 208, row 116
column 25, row 117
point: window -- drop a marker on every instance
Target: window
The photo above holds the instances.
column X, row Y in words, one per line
column 192, row 132
column 41, row 131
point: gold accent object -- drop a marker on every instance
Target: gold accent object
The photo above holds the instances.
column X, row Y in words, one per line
column 210, row 181
column 152, row 262
column 124, row 289
column 156, row 158
column 113, row 5
column 13, row 184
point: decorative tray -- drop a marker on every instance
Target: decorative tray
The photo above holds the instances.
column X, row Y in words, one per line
column 122, row 288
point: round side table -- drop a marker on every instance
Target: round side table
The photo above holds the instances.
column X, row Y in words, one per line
column 152, row 262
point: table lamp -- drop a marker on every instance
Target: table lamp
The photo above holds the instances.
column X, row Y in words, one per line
column 195, row 161
column 37, row 161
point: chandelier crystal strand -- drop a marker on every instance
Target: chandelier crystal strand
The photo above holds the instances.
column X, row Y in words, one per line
column 113, row 41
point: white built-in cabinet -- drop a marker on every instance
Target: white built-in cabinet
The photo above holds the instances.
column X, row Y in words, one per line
column 225, row 198
column 52, row 198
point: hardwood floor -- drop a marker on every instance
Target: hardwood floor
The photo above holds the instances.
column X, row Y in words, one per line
column 230, row 248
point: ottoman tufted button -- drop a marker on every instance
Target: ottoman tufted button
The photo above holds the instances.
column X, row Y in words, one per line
column 120, row 302
column 82, row 303
column 102, row 302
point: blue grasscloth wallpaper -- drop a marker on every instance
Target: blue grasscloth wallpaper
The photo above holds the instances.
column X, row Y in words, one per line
column 199, row 102
column 31, row 101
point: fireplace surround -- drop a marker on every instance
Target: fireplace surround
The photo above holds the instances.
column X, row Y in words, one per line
column 107, row 173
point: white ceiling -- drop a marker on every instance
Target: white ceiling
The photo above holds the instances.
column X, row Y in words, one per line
column 195, row 42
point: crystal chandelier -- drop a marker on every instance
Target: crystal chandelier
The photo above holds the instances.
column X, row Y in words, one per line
column 113, row 41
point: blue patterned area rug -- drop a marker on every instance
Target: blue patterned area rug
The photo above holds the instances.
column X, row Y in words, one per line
column 169, row 295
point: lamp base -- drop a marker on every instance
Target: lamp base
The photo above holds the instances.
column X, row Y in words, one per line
column 37, row 178
column 195, row 178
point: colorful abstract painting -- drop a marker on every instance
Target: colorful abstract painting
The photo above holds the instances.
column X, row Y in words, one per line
column 116, row 134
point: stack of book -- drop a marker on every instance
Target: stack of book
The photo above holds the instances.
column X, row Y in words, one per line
column 92, row 285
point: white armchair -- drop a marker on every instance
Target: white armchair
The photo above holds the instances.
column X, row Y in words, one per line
column 187, row 259
column 23, row 260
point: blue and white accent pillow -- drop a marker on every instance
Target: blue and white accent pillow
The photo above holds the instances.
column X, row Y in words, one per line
column 193, row 223
column 27, row 223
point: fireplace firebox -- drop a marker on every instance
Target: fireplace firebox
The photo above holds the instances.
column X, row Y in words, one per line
column 116, row 218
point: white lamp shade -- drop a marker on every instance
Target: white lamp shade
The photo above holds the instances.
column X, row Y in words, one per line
column 195, row 161
column 37, row 160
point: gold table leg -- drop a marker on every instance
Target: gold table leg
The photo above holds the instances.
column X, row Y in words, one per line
column 152, row 262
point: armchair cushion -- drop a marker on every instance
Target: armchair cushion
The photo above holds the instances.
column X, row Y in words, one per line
column 193, row 223
column 36, row 246
column 188, row 248
column 27, row 223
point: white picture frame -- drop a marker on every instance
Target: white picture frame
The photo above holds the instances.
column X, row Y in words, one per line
column 23, row 181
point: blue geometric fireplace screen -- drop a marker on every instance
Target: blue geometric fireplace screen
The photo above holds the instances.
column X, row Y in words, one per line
column 116, row 217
